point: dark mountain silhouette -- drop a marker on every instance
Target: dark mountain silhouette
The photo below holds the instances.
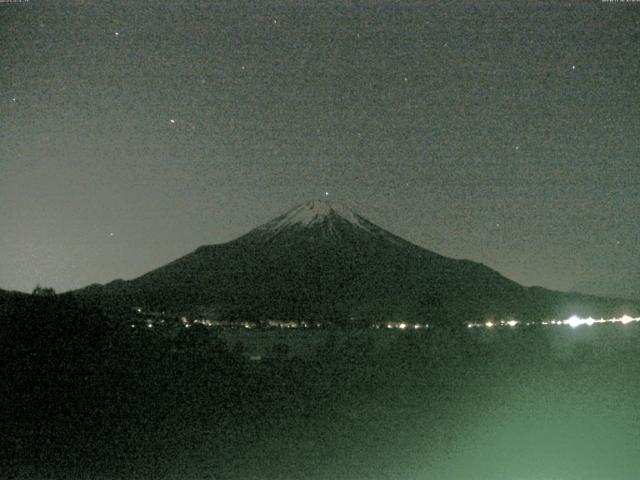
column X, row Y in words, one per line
column 323, row 262
column 10, row 294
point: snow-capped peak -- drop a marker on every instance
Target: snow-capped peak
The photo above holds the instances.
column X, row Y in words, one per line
column 314, row 212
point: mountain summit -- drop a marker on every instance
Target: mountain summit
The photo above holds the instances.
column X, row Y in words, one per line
column 317, row 212
column 322, row 261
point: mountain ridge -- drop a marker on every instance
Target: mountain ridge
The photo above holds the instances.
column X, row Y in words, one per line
column 321, row 261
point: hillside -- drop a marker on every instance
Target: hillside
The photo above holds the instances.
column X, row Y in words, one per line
column 324, row 262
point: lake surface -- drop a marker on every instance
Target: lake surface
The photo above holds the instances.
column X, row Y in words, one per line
column 553, row 403
column 488, row 404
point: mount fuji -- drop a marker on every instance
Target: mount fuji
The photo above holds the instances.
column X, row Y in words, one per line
column 324, row 262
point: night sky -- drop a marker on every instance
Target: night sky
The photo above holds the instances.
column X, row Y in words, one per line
column 503, row 132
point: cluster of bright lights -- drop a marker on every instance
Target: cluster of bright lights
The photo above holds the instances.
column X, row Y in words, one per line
column 291, row 324
column 198, row 321
column 156, row 318
column 573, row 321
column 404, row 326
column 576, row 321
column 491, row 324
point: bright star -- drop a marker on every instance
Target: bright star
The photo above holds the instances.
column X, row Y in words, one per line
column 117, row 34
column 172, row 121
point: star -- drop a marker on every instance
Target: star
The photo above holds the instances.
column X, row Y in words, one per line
column 117, row 34
column 172, row 120
column 13, row 99
column 111, row 234
column 573, row 67
column 326, row 194
column 517, row 147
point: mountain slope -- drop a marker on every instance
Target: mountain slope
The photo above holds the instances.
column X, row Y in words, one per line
column 321, row 261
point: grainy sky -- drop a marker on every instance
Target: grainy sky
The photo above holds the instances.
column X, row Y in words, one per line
column 504, row 132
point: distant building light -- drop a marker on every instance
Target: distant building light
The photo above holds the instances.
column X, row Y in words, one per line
column 627, row 319
column 574, row 322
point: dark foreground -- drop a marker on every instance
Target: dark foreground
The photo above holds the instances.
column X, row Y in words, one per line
column 85, row 398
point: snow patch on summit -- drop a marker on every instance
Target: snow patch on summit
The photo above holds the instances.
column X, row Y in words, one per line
column 311, row 213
